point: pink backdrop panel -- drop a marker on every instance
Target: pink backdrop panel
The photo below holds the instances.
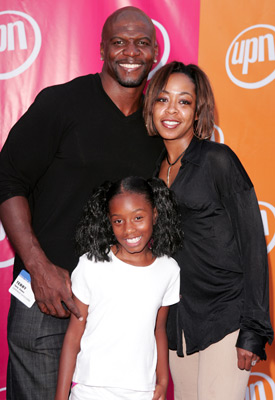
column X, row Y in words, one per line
column 50, row 42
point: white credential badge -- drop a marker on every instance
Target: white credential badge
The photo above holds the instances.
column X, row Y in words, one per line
column 21, row 289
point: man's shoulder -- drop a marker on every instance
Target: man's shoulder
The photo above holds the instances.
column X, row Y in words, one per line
column 79, row 84
column 75, row 91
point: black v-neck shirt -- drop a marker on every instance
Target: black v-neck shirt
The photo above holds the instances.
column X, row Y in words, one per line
column 72, row 139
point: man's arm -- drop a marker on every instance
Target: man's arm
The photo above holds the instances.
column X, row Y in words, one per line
column 162, row 350
column 51, row 284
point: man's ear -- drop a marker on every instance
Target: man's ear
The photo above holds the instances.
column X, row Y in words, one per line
column 156, row 51
column 102, row 51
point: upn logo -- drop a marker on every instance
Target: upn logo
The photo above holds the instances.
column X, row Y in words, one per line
column 20, row 43
column 250, row 58
column 164, row 42
column 217, row 135
column 268, row 218
column 6, row 251
column 260, row 387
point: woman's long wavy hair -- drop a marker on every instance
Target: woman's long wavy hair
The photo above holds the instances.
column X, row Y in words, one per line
column 205, row 104
column 95, row 235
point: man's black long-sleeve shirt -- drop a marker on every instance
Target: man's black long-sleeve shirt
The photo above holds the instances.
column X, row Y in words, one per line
column 72, row 139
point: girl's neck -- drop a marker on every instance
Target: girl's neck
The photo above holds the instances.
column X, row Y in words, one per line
column 143, row 259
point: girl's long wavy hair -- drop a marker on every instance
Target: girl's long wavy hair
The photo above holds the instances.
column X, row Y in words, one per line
column 205, row 104
column 95, row 235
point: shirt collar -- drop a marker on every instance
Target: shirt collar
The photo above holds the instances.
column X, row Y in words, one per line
column 193, row 151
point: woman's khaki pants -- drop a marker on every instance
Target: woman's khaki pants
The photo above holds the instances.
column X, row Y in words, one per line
column 211, row 374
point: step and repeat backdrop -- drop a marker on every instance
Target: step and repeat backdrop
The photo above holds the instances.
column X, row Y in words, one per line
column 50, row 42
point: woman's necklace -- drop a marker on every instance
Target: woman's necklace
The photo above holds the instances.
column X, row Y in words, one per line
column 171, row 165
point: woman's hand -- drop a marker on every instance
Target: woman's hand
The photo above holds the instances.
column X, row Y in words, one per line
column 246, row 359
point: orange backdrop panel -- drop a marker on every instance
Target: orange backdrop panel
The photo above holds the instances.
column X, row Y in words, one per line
column 237, row 51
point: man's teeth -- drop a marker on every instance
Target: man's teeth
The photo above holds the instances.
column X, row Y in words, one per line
column 171, row 123
column 130, row 66
column 133, row 240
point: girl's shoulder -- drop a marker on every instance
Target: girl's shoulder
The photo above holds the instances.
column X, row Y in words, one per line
column 88, row 263
column 169, row 263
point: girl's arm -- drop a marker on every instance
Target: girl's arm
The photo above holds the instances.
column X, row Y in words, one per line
column 162, row 349
column 70, row 349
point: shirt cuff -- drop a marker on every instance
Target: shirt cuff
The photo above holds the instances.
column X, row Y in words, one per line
column 253, row 342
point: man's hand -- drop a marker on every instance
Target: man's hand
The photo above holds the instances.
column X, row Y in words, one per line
column 52, row 289
column 246, row 359
column 51, row 284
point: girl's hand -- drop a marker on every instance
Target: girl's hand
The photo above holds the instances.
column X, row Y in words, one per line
column 160, row 392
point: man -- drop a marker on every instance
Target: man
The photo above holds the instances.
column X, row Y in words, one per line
column 72, row 138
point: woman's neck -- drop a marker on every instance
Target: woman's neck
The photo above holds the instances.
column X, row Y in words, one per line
column 176, row 147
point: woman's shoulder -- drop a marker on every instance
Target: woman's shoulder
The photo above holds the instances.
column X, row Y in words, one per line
column 220, row 154
column 217, row 149
column 223, row 162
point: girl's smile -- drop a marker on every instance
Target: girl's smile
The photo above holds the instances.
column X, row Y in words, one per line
column 133, row 241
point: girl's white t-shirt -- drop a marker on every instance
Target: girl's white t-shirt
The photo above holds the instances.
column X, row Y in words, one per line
column 118, row 347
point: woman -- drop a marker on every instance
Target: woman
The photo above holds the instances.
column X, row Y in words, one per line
column 220, row 327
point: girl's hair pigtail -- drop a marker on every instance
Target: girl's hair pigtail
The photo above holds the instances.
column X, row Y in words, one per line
column 167, row 232
column 94, row 234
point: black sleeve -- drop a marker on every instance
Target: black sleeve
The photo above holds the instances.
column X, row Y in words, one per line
column 31, row 146
column 240, row 201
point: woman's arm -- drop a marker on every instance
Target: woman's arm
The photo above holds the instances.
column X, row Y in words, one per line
column 162, row 350
column 241, row 204
column 70, row 349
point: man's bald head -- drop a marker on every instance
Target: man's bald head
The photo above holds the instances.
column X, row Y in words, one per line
column 129, row 13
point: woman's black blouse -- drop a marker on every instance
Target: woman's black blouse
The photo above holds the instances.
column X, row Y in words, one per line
column 224, row 270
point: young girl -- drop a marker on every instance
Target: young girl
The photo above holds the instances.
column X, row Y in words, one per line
column 123, row 285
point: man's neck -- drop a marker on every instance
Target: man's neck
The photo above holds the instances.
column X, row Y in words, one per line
column 128, row 100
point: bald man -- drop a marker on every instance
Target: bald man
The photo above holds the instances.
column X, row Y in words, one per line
column 73, row 137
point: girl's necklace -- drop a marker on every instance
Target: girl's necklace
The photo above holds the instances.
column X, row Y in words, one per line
column 171, row 165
